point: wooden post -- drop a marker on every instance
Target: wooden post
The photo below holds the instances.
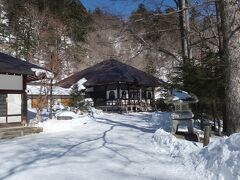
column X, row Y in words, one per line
column 140, row 96
column 118, row 94
column 153, row 98
column 106, row 95
column 128, row 94
column 51, row 99
column 206, row 135
column 24, row 119
column 201, row 122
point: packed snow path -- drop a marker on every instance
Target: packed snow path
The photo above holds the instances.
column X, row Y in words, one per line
column 109, row 146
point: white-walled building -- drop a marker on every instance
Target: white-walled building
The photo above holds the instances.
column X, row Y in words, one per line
column 14, row 75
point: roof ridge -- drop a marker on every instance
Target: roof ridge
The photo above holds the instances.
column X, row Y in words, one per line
column 109, row 71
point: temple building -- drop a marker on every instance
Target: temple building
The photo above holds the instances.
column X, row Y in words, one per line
column 112, row 86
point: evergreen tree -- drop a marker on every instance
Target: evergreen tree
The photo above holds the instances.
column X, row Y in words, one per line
column 150, row 68
column 205, row 79
column 77, row 98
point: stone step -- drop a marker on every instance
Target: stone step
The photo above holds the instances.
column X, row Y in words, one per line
column 12, row 132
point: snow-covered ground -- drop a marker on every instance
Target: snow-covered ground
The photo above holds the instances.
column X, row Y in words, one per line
column 114, row 146
column 109, row 146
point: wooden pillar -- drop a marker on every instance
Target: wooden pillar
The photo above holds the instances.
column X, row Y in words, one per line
column 118, row 94
column 128, row 94
column 24, row 119
column 153, row 98
column 145, row 95
column 94, row 96
column 140, row 96
column 106, row 95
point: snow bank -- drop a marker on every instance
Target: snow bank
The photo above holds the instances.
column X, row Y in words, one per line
column 66, row 114
column 219, row 160
column 161, row 120
column 176, row 147
column 53, row 125
column 163, row 137
column 95, row 111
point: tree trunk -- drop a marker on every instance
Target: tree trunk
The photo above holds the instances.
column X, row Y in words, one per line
column 213, row 116
column 184, row 29
column 230, row 19
column 221, row 52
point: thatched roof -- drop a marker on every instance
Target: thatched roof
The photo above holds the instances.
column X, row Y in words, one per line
column 12, row 65
column 111, row 71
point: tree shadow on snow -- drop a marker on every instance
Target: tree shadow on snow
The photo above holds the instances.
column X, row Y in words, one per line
column 39, row 152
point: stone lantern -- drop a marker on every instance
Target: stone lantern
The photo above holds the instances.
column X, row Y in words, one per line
column 182, row 114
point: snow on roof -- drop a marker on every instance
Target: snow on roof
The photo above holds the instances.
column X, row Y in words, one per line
column 35, row 90
column 80, row 84
column 57, row 90
column 181, row 96
column 39, row 72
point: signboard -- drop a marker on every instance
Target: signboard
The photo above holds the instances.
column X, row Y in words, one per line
column 11, row 82
column 3, row 104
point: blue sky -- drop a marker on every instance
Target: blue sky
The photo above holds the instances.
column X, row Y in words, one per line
column 119, row 7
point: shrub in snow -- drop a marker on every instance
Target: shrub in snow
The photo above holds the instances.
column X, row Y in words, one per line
column 77, row 98
column 219, row 160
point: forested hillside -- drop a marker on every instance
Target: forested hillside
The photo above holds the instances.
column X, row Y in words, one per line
column 28, row 27
column 82, row 38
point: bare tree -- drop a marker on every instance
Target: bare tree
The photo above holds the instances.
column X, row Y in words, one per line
column 41, row 99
